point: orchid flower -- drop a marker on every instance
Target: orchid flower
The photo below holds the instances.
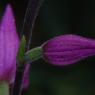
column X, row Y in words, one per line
column 9, row 44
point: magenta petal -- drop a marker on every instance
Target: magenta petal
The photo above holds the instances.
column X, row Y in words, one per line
column 67, row 49
column 9, row 43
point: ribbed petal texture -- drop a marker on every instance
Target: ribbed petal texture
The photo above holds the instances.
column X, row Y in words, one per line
column 68, row 49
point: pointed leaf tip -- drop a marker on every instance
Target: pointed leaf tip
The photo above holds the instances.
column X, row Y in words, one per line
column 21, row 50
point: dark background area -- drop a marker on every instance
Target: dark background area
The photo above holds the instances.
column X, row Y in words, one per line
column 59, row 17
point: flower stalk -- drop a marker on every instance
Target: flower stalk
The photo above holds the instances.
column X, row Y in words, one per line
column 4, row 88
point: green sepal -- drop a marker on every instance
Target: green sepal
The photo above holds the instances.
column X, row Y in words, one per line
column 21, row 50
column 4, row 88
column 33, row 54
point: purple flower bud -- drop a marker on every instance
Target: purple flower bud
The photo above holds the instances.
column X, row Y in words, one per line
column 9, row 44
column 67, row 49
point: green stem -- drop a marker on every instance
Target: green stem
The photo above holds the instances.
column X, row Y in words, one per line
column 33, row 54
column 4, row 88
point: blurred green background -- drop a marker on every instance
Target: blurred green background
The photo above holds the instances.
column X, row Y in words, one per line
column 59, row 17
